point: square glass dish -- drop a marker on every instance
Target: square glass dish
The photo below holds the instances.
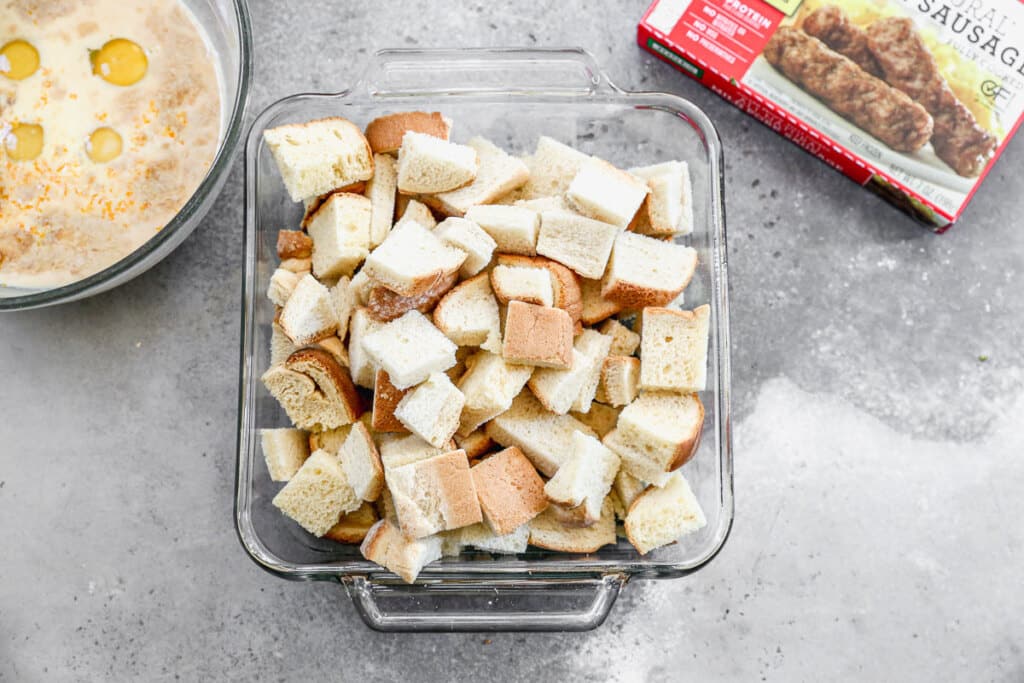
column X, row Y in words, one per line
column 510, row 97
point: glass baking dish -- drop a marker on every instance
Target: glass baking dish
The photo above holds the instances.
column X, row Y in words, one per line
column 510, row 97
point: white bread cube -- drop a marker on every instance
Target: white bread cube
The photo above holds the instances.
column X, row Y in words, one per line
column 417, row 211
column 361, row 462
column 314, row 390
column 565, row 284
column 600, row 418
column 537, row 335
column 595, row 347
column 309, row 313
column 556, row 388
column 282, row 284
column 552, row 168
column 432, row 409
column 674, row 349
column 471, row 238
column 645, row 271
column 605, row 193
column 381, row 190
column 576, row 242
column 670, row 204
column 343, row 298
column 510, row 491
column 387, row 546
column 340, row 229
column 499, row 173
column 385, row 133
column 319, row 156
column 432, row 495
column 386, row 305
column 513, row 228
column 620, row 380
column 412, row 259
column 409, row 349
column 625, row 341
column 532, row 285
column 405, row 450
column 627, row 488
column 489, row 385
column 657, row 433
column 547, row 531
column 481, row 537
column 585, row 478
column 428, row 165
column 362, row 367
column 595, row 307
column 284, row 450
column 545, row 438
column 660, row 516
column 318, row 494
column 469, row 315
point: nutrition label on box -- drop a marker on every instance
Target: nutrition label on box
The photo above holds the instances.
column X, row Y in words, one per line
column 728, row 34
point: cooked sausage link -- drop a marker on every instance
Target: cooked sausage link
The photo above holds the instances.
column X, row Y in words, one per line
column 832, row 26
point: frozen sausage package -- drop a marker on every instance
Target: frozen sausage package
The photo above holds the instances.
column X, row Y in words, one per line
column 913, row 99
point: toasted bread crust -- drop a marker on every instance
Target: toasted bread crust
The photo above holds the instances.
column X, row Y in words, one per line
column 386, row 397
column 384, row 133
column 308, row 359
column 565, row 283
column 631, row 295
column 293, row 244
column 688, row 448
column 386, row 305
column 352, row 528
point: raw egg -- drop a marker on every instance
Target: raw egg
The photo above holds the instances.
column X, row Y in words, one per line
column 24, row 142
column 18, row 60
column 104, row 145
column 119, row 61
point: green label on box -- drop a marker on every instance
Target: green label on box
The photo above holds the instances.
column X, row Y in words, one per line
column 684, row 64
column 787, row 7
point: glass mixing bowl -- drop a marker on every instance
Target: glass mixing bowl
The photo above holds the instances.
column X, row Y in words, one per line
column 226, row 23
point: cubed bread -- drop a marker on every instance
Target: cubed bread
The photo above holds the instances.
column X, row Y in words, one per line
column 660, row 516
column 558, row 388
column 522, row 283
column 362, row 464
column 432, row 409
column 585, row 478
column 329, row 440
column 627, row 488
column 405, row 450
column 428, row 165
column 674, row 349
column 409, row 349
column 605, row 193
column 481, row 537
column 471, row 238
column 282, row 284
column 489, row 385
column 318, row 494
column 645, row 271
column 595, row 307
column 280, row 345
column 669, row 206
column 340, row 229
column 386, row 305
column 386, row 545
column 511, row 492
column 594, row 346
column 293, row 244
column 319, row 156
column 361, row 366
column 537, row 335
column 313, row 203
column 499, row 173
column 548, row 532
column 309, row 313
column 576, row 242
column 415, row 210
column 476, row 443
column 565, row 284
column 620, row 380
column 385, row 133
column 381, row 191
column 284, row 450
column 314, row 390
column 361, row 284
column 552, row 167
column 412, row 259
column 343, row 298
column 353, row 527
column 297, row 265
column 657, row 433
column 434, row 495
column 624, row 340
column 386, row 397
column 545, row 438
column 469, row 316
column 600, row 418
column 513, row 228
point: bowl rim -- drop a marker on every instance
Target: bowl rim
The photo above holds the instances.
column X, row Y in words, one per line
column 222, row 161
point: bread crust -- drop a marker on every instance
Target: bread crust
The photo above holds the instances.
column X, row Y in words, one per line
column 565, row 283
column 387, row 305
column 595, row 307
column 293, row 244
column 689, row 447
column 352, row 528
column 326, row 369
column 537, row 335
column 386, row 397
column 631, row 295
column 385, row 133
column 510, row 491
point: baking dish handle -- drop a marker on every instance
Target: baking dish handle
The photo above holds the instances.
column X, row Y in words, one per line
column 579, row 604
column 400, row 72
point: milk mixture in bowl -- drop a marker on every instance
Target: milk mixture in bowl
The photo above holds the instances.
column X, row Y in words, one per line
column 109, row 120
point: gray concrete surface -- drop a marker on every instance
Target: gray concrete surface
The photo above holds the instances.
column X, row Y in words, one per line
column 879, row 461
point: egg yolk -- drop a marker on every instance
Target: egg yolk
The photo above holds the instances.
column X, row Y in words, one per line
column 119, row 61
column 18, row 60
column 104, row 145
column 24, row 142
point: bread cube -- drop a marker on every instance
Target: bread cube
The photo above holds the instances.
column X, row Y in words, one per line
column 600, row 418
column 415, row 211
column 531, row 285
column 624, row 340
column 471, row 238
column 605, row 193
column 644, row 271
column 386, row 397
column 329, row 440
column 343, row 298
column 385, row 133
column 412, row 259
column 386, row 305
column 427, row 165
column 481, row 537
column 282, row 284
column 280, row 345
column 552, row 166
column 432, row 409
column 594, row 346
column 595, row 307
column 434, row 495
column 361, row 366
column 340, row 229
column 558, row 388
column 499, row 173
column 537, row 335
column 284, row 450
column 476, row 444
column 510, row 491
column 669, row 206
column 314, row 390
column 565, row 284
column 319, row 156
column 489, row 385
column 545, row 438
column 660, row 516
column 620, row 380
column 627, row 488
column 547, row 531
column 309, row 314
column 361, row 462
column 469, row 316
column 674, row 349
column 318, row 494
column 381, row 190
column 585, row 477
column 513, row 228
column 353, row 527
column 407, row 449
column 657, row 433
column 409, row 349
column 386, row 545
column 576, row 242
